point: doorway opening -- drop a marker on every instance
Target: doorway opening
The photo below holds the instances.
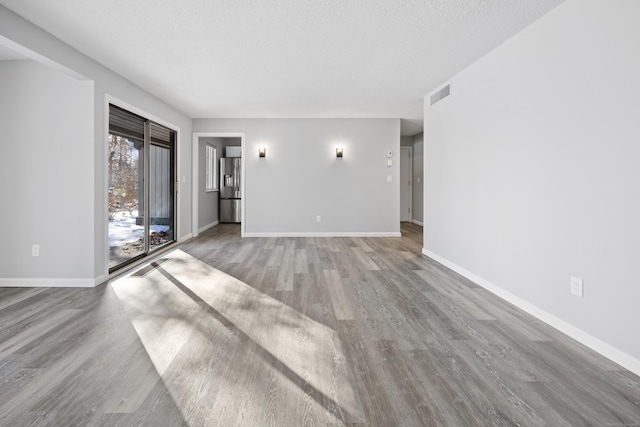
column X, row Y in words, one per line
column 406, row 172
column 218, row 177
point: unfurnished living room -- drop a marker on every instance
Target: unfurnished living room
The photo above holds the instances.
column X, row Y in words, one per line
column 315, row 213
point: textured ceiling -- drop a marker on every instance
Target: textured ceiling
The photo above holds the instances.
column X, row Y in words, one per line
column 286, row 58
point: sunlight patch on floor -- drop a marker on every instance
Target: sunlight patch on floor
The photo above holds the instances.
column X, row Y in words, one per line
column 211, row 336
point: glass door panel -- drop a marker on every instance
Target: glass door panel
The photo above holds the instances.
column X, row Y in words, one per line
column 161, row 187
column 126, row 194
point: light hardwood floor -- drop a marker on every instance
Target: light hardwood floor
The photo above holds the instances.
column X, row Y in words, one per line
column 296, row 332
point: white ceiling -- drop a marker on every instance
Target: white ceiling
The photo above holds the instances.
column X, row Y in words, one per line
column 286, row 58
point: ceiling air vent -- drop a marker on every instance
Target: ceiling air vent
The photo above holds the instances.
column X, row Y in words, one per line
column 441, row 94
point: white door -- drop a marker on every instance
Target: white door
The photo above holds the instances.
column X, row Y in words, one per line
column 405, row 183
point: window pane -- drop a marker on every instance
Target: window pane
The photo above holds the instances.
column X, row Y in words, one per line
column 161, row 189
column 210, row 163
column 126, row 184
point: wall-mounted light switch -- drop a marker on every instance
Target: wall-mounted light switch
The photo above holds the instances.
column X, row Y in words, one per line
column 35, row 250
column 389, row 163
column 389, row 179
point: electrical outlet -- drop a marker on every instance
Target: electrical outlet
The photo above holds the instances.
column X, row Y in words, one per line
column 35, row 250
column 576, row 286
column 318, row 218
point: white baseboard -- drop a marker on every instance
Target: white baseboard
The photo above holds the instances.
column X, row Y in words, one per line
column 415, row 221
column 47, row 283
column 325, row 234
column 206, row 227
column 597, row 345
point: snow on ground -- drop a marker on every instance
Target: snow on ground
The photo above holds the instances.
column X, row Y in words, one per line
column 123, row 229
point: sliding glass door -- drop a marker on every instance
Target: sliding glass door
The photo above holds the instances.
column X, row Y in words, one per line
column 141, row 187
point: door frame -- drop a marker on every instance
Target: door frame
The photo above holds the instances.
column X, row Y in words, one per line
column 195, row 179
column 410, row 149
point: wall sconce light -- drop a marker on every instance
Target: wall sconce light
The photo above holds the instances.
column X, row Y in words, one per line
column 262, row 152
column 339, row 152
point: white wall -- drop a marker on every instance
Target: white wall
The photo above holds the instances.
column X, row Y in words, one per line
column 42, row 46
column 301, row 177
column 531, row 172
column 46, row 170
column 418, row 178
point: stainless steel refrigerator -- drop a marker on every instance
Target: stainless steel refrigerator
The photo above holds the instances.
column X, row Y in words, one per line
column 230, row 194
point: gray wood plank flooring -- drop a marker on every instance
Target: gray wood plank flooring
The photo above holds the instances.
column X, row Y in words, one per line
column 306, row 331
